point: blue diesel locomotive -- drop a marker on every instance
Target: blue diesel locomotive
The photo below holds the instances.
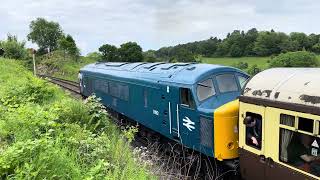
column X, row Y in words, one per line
column 193, row 104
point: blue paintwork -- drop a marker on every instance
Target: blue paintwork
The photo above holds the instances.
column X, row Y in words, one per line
column 155, row 78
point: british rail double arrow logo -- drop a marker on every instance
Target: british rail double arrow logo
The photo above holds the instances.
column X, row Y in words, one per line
column 188, row 123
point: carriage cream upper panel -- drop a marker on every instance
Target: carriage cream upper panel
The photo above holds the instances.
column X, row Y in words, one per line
column 295, row 85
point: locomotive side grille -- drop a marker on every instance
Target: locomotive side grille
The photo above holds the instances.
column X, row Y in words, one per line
column 206, row 133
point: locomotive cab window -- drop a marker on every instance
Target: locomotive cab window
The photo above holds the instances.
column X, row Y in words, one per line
column 242, row 81
column 205, row 89
column 253, row 123
column 227, row 83
column 187, row 98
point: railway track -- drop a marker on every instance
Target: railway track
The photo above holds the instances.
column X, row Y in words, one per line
column 66, row 84
column 171, row 163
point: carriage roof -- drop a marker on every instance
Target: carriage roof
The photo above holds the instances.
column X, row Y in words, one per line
column 290, row 85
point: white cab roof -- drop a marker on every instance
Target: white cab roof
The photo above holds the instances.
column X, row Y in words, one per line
column 292, row 85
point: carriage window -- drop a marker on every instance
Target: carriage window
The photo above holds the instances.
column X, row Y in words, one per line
column 187, row 98
column 114, row 90
column 300, row 151
column 101, row 85
column 287, row 120
column 124, row 92
column 205, row 89
column 120, row 91
column 242, row 81
column 253, row 124
column 305, row 125
column 227, row 83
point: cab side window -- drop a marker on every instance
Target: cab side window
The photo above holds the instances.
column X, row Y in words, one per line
column 205, row 89
column 227, row 83
column 187, row 98
column 253, row 124
column 298, row 146
column 242, row 81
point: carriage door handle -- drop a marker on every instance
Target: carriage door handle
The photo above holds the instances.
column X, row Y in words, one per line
column 262, row 159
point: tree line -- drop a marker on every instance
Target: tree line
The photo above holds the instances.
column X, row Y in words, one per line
column 49, row 37
column 241, row 43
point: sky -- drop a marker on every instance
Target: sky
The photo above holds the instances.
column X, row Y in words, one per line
column 157, row 23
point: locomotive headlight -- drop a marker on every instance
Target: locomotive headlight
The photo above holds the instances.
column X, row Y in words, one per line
column 80, row 77
column 230, row 145
column 80, row 81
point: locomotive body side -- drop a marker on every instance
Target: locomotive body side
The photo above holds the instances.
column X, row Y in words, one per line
column 170, row 99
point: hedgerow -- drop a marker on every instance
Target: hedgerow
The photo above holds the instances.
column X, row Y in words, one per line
column 45, row 134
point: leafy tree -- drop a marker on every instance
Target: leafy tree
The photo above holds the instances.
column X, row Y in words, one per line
column 183, row 55
column 236, row 51
column 295, row 59
column 130, row 52
column 208, row 47
column 150, row 56
column 316, row 48
column 45, row 33
column 95, row 56
column 68, row 45
column 109, row 53
column 314, row 39
column 13, row 49
column 289, row 46
column 302, row 40
column 249, row 39
column 268, row 43
column 222, row 49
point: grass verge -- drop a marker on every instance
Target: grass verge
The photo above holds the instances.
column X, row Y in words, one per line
column 45, row 134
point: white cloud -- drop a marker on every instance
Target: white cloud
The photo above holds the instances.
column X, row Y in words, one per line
column 158, row 23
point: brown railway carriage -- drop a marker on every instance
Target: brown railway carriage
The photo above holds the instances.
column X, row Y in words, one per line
column 286, row 104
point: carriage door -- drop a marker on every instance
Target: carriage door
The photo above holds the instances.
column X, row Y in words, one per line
column 251, row 152
column 188, row 118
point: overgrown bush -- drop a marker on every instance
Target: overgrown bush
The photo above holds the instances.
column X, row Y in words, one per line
column 295, row 59
column 241, row 65
column 253, row 70
column 45, row 134
column 62, row 65
column 14, row 49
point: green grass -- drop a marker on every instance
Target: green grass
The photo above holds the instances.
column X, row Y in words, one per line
column 45, row 134
column 69, row 70
column 262, row 62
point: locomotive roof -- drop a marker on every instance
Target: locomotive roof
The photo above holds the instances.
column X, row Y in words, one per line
column 290, row 85
column 185, row 73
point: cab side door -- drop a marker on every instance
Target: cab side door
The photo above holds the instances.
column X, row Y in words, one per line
column 188, row 118
column 252, row 158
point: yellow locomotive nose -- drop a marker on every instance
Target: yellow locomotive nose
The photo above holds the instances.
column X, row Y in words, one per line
column 226, row 131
